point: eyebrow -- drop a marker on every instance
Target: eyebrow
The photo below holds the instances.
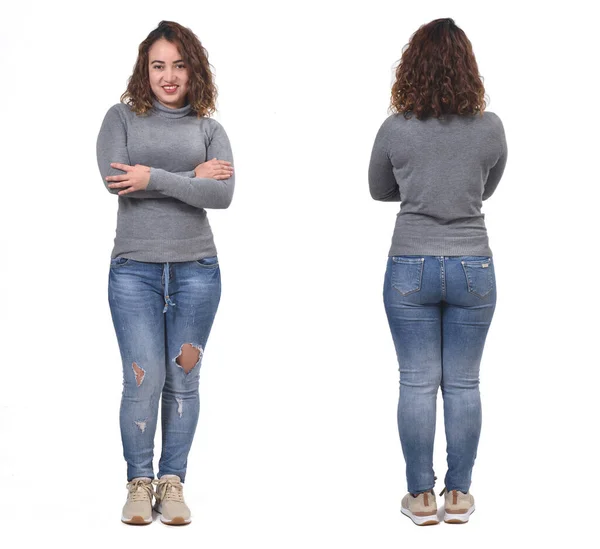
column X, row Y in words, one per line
column 157, row 61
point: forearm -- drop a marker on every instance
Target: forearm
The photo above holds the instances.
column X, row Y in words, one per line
column 197, row 191
column 200, row 192
column 156, row 194
column 111, row 147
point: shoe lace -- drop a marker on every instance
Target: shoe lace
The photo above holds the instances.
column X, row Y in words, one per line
column 169, row 489
column 139, row 490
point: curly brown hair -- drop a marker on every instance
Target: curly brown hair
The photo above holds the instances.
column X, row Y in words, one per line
column 438, row 74
column 202, row 92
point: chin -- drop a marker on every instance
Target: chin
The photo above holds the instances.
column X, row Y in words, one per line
column 176, row 99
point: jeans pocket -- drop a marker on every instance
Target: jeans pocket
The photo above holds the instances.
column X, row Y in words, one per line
column 407, row 274
column 119, row 261
column 208, row 262
column 479, row 274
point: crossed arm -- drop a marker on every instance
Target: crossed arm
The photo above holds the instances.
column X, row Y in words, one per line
column 209, row 185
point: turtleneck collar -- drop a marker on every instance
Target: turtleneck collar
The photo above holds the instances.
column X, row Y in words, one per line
column 167, row 112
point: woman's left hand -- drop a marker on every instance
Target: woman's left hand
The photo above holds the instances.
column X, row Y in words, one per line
column 136, row 178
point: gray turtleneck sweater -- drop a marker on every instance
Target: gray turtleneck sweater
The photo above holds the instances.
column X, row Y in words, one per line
column 167, row 221
column 441, row 170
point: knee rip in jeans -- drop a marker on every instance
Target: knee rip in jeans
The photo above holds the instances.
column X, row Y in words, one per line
column 189, row 357
column 139, row 373
column 141, row 424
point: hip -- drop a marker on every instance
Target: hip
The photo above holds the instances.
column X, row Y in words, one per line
column 465, row 280
column 132, row 273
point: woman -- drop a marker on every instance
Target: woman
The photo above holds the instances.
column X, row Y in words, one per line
column 441, row 156
column 164, row 281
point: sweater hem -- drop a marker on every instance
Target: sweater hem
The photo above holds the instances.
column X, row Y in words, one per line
column 172, row 251
column 440, row 246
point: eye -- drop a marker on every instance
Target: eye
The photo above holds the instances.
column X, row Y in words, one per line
column 157, row 67
column 181, row 66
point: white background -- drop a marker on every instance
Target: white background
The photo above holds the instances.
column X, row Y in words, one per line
column 297, row 444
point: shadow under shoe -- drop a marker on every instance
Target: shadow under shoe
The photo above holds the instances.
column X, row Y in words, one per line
column 421, row 509
column 170, row 503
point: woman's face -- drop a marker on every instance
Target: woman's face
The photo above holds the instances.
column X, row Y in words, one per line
column 168, row 74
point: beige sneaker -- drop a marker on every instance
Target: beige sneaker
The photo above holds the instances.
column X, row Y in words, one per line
column 459, row 506
column 421, row 509
column 138, row 509
column 169, row 501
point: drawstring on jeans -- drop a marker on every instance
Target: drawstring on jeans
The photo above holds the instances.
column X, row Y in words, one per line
column 167, row 298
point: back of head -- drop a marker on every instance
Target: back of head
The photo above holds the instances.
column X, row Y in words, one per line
column 437, row 74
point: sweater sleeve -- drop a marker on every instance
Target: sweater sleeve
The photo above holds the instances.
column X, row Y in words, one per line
column 111, row 146
column 382, row 183
column 497, row 170
column 200, row 192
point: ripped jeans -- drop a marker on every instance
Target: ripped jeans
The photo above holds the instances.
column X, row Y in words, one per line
column 162, row 315
column 439, row 311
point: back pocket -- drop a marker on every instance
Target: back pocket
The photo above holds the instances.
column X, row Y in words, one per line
column 407, row 274
column 479, row 275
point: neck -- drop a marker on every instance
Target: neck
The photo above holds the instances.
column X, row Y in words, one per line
column 170, row 112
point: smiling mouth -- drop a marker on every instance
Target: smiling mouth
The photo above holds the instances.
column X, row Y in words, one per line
column 169, row 88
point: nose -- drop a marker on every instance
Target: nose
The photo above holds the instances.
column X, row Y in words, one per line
column 168, row 76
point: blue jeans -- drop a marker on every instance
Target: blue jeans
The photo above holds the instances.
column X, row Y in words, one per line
column 439, row 311
column 162, row 314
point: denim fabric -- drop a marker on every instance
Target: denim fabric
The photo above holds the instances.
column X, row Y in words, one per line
column 156, row 309
column 439, row 311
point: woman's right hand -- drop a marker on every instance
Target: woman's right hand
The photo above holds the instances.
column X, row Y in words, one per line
column 214, row 169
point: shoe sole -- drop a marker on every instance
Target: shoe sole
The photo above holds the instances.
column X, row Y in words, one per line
column 453, row 518
column 136, row 521
column 177, row 521
column 427, row 520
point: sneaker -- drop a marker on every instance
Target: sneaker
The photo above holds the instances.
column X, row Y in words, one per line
column 459, row 506
column 421, row 509
column 169, row 501
column 138, row 509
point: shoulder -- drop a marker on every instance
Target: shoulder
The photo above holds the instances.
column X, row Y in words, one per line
column 493, row 119
column 120, row 108
column 491, row 115
column 212, row 125
column 495, row 127
column 212, row 128
column 389, row 126
column 392, row 121
column 119, row 111
column 397, row 122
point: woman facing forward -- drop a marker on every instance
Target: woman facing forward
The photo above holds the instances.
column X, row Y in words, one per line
column 440, row 155
column 168, row 162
